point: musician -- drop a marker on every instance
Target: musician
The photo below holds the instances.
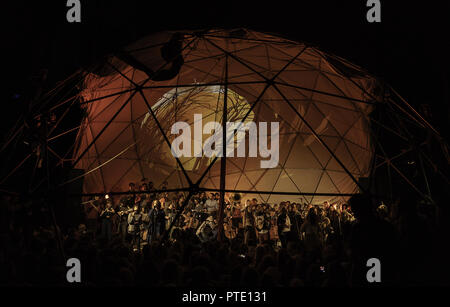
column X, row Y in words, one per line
column 227, row 211
column 236, row 211
column 189, row 220
column 199, row 205
column 212, row 204
column 145, row 222
column 106, row 215
column 347, row 220
column 198, row 210
column 335, row 218
column 290, row 211
column 202, row 197
column 134, row 222
column 283, row 225
column 296, row 221
column 325, row 225
column 180, row 201
column 273, row 231
column 228, row 228
column 170, row 212
column 128, row 201
column 347, row 215
column 326, row 206
column 125, row 208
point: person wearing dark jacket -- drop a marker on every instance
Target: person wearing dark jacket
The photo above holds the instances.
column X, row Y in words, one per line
column 106, row 215
column 157, row 224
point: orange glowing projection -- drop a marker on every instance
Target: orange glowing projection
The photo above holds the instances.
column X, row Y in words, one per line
column 320, row 101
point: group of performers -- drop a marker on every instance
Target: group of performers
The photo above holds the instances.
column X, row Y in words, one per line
column 143, row 216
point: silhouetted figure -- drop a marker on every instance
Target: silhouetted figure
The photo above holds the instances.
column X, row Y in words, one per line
column 370, row 238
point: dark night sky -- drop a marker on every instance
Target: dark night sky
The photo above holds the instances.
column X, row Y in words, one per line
column 409, row 48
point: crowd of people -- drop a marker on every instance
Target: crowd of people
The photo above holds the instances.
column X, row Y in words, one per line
column 144, row 216
column 138, row 239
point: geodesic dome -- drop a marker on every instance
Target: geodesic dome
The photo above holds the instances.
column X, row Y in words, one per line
column 325, row 144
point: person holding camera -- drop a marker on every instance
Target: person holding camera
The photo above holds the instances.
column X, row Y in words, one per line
column 207, row 230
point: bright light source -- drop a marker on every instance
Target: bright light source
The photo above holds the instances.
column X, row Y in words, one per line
column 106, row 196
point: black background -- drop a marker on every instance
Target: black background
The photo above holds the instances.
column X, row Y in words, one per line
column 409, row 48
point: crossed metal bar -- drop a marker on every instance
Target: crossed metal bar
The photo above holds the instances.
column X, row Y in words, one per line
column 194, row 187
